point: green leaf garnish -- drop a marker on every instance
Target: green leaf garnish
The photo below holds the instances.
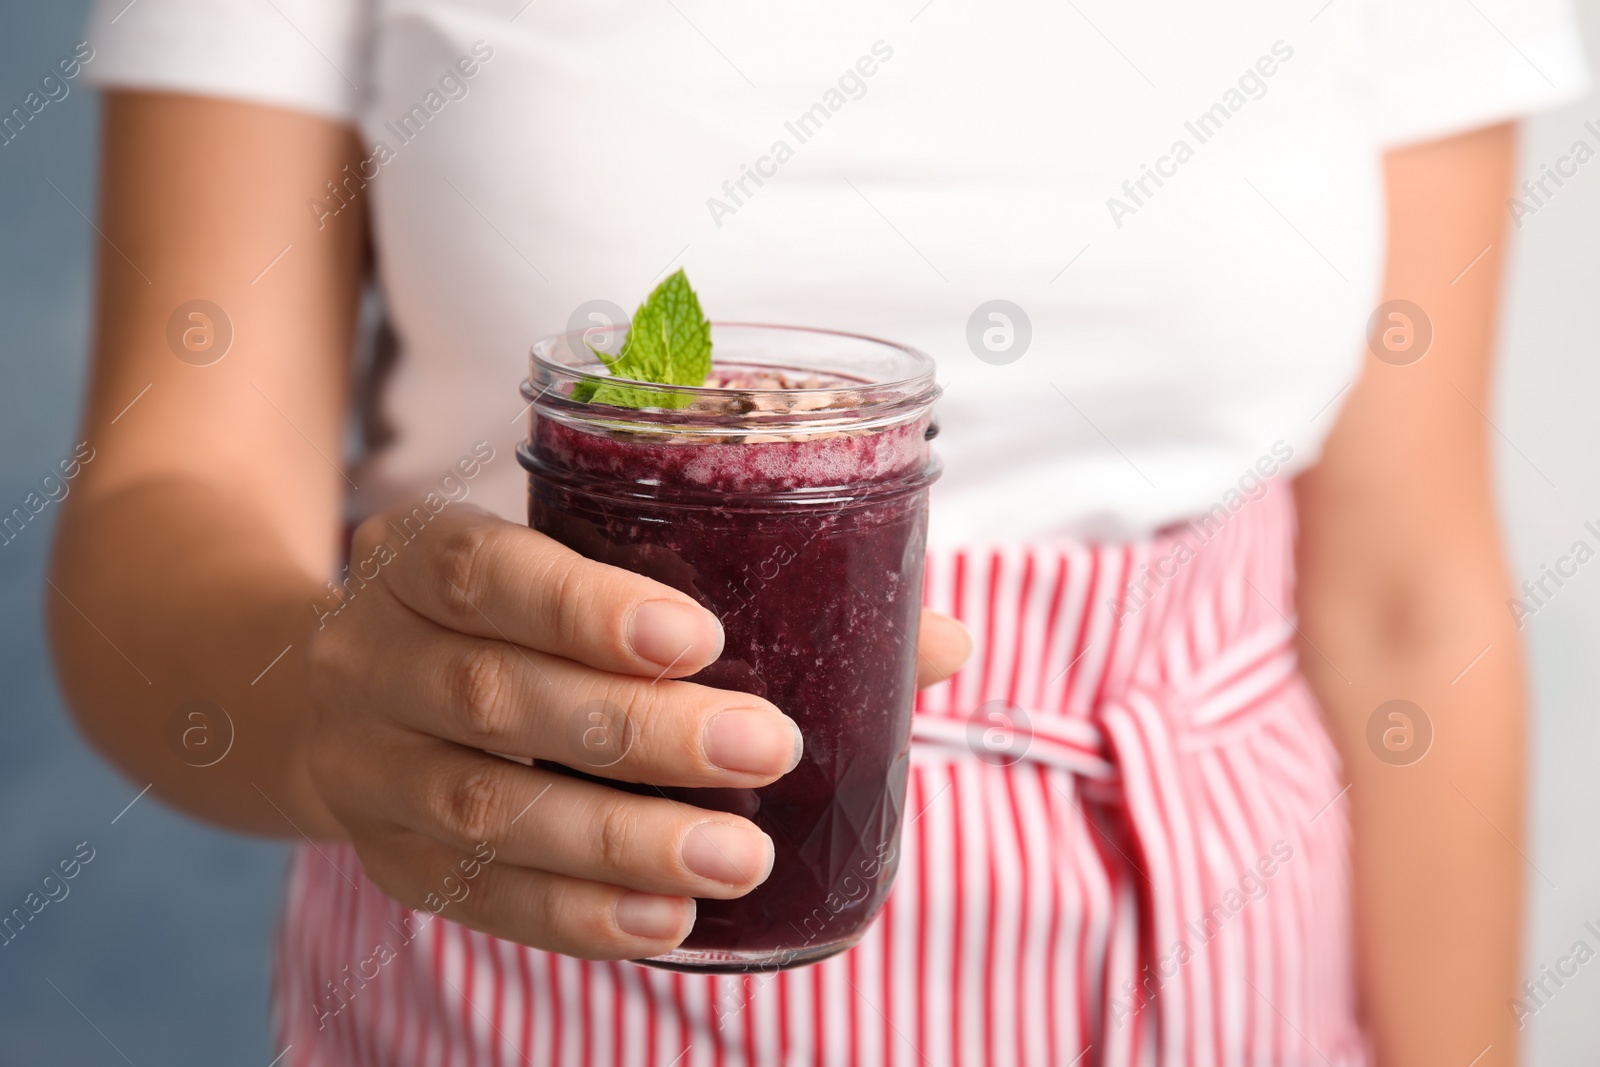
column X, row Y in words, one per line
column 668, row 343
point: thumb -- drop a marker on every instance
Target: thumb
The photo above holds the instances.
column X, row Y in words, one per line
column 943, row 645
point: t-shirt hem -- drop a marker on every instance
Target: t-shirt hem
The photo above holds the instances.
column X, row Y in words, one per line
column 1438, row 127
column 146, row 83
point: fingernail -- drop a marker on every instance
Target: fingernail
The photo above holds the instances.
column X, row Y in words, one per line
column 728, row 853
column 666, row 632
column 753, row 742
column 647, row 915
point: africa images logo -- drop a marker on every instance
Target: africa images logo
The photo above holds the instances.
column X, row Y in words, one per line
column 1251, row 85
column 850, row 85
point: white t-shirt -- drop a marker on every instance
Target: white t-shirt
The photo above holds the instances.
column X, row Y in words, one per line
column 1183, row 199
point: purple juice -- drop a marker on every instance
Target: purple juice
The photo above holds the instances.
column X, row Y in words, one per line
column 809, row 549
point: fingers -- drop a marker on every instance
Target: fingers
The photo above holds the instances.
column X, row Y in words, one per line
column 564, row 825
column 495, row 696
column 476, row 574
column 549, row 911
column 943, row 645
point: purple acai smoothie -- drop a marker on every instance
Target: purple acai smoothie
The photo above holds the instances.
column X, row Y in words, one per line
column 809, row 548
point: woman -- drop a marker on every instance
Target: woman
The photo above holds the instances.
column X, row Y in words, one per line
column 1205, row 856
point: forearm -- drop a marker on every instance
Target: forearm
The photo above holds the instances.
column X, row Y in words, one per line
column 190, row 550
column 148, row 612
column 1437, row 843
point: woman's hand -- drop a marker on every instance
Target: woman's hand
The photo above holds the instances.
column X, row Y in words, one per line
column 484, row 636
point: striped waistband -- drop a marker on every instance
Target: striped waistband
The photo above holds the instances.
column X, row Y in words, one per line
column 1004, row 733
column 1200, row 616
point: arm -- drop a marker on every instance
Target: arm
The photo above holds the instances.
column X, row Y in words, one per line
column 1402, row 585
column 200, row 535
column 193, row 544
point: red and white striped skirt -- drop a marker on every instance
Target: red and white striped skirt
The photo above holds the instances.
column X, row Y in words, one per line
column 1151, row 868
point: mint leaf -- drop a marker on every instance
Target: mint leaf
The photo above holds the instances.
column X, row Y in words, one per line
column 668, row 343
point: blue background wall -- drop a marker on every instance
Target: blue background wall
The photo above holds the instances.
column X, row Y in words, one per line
column 162, row 940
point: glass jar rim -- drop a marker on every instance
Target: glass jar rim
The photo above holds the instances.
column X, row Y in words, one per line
column 848, row 401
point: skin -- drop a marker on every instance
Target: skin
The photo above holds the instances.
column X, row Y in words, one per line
column 1402, row 584
column 200, row 536
column 485, row 635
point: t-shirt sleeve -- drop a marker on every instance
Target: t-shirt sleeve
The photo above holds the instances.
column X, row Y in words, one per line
column 310, row 55
column 1442, row 67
